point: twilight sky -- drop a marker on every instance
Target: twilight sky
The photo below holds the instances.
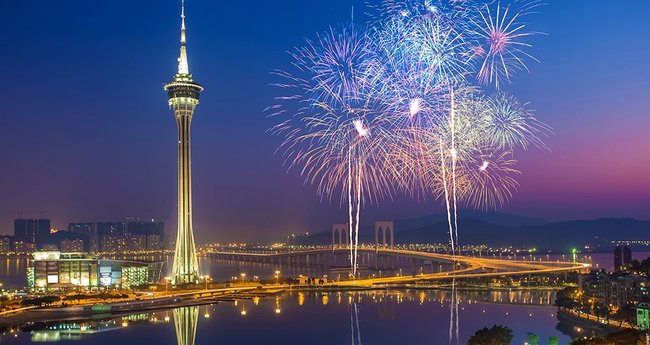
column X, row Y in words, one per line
column 87, row 134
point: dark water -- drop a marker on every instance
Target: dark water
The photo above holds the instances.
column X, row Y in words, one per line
column 393, row 317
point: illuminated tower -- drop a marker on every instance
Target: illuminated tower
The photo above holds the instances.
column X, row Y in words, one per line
column 184, row 94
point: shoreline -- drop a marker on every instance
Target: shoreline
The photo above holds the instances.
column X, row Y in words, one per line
column 198, row 298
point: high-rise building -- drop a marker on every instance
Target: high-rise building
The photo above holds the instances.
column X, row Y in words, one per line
column 627, row 256
column 34, row 231
column 155, row 242
column 5, row 244
column 22, row 247
column 622, row 257
column 183, row 93
column 112, row 236
column 618, row 258
column 146, row 228
column 72, row 246
column 137, row 243
column 89, row 230
column 111, row 228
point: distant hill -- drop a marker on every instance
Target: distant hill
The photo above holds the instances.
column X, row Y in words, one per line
column 502, row 229
column 496, row 218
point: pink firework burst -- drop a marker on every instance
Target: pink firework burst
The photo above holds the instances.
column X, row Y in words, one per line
column 503, row 33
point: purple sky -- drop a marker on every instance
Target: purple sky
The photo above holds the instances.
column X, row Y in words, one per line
column 87, row 135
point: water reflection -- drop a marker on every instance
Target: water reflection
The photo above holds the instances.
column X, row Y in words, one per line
column 185, row 321
column 354, row 324
column 454, row 320
column 294, row 316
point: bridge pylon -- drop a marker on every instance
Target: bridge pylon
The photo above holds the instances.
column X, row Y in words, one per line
column 340, row 232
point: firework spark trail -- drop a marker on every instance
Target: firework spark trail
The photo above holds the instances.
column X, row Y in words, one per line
column 454, row 158
column 356, row 223
column 444, row 181
column 354, row 209
column 350, row 208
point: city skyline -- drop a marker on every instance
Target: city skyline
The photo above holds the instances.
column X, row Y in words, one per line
column 100, row 169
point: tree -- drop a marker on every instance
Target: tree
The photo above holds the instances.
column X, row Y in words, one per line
column 40, row 301
column 626, row 337
column 497, row 335
column 565, row 299
column 533, row 339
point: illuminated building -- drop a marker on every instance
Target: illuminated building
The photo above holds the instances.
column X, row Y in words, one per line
column 132, row 236
column 72, row 246
column 5, row 244
column 614, row 290
column 137, row 243
column 643, row 316
column 89, row 230
column 64, row 271
column 155, row 242
column 22, row 247
column 115, row 244
column 183, row 93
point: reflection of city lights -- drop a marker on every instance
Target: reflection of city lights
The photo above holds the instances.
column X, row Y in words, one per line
column 206, row 315
column 277, row 310
column 124, row 323
column 166, row 318
column 243, row 312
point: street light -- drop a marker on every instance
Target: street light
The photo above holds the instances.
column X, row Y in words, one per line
column 167, row 280
column 277, row 277
column 206, row 278
column 243, row 278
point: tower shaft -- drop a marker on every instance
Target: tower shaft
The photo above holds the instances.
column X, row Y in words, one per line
column 185, row 266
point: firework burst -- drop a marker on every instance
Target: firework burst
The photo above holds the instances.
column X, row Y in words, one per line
column 502, row 36
column 332, row 128
column 510, row 124
column 397, row 106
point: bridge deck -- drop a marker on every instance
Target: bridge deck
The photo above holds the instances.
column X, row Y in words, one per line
column 469, row 267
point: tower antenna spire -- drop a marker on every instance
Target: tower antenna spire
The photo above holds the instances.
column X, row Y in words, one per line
column 183, row 67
